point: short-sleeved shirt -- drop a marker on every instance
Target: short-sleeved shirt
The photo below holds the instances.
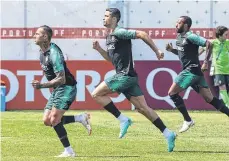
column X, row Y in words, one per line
column 220, row 56
column 119, row 49
column 188, row 51
column 52, row 62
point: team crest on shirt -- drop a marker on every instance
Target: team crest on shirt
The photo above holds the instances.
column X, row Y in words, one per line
column 113, row 39
column 184, row 42
column 111, row 43
column 46, row 59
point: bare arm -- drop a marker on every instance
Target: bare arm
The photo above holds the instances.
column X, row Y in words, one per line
column 145, row 37
column 207, row 57
column 208, row 51
column 201, row 51
column 102, row 52
column 59, row 80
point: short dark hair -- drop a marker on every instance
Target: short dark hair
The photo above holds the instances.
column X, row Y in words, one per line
column 187, row 20
column 115, row 13
column 48, row 30
column 220, row 31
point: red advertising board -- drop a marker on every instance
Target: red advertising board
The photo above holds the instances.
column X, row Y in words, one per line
column 155, row 79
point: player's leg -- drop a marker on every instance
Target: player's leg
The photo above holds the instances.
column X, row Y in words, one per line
column 221, row 81
column 47, row 111
column 218, row 104
column 227, row 86
column 116, row 83
column 182, row 82
column 63, row 97
column 61, row 132
column 46, row 117
column 83, row 118
column 141, row 106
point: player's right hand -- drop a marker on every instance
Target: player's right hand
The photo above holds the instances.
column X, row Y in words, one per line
column 169, row 47
column 96, row 45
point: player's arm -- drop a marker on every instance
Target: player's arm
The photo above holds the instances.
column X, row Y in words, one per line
column 169, row 47
column 58, row 68
column 208, row 51
column 136, row 34
column 201, row 51
column 145, row 37
column 201, row 41
column 59, row 80
column 104, row 53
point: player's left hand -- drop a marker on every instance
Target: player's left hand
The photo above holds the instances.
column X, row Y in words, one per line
column 204, row 67
column 160, row 55
column 36, row 84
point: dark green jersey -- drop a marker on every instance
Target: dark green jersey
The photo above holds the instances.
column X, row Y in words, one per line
column 52, row 61
column 188, row 51
column 120, row 50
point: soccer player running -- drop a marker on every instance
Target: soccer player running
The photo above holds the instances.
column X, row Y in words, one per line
column 220, row 62
column 126, row 80
column 64, row 89
column 187, row 50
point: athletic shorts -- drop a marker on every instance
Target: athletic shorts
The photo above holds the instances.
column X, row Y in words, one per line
column 186, row 79
column 62, row 97
column 125, row 84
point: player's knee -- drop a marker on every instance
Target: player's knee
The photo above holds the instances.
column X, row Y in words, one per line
column 171, row 93
column 141, row 108
column 54, row 120
column 207, row 99
column 95, row 95
column 47, row 122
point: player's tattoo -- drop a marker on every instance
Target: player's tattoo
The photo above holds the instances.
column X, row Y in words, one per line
column 59, row 80
column 46, row 45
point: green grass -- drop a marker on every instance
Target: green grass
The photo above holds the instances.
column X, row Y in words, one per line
column 25, row 138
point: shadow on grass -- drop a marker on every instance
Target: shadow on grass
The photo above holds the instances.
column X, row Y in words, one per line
column 196, row 151
column 108, row 156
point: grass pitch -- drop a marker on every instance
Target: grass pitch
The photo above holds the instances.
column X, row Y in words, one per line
column 25, row 138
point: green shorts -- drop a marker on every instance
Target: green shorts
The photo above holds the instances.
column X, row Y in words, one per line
column 125, row 84
column 221, row 79
column 186, row 79
column 61, row 97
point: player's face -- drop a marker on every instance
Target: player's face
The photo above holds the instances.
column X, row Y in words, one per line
column 39, row 36
column 180, row 25
column 107, row 20
column 224, row 36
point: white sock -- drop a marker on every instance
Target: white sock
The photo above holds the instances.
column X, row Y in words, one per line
column 166, row 132
column 122, row 118
column 68, row 149
column 78, row 118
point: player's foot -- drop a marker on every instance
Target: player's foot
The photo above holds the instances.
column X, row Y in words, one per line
column 171, row 141
column 124, row 126
column 66, row 154
column 86, row 122
column 186, row 125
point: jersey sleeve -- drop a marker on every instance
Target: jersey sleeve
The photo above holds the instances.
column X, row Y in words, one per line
column 57, row 61
column 196, row 39
column 125, row 34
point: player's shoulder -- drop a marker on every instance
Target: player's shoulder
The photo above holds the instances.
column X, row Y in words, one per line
column 191, row 34
column 54, row 49
column 119, row 29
